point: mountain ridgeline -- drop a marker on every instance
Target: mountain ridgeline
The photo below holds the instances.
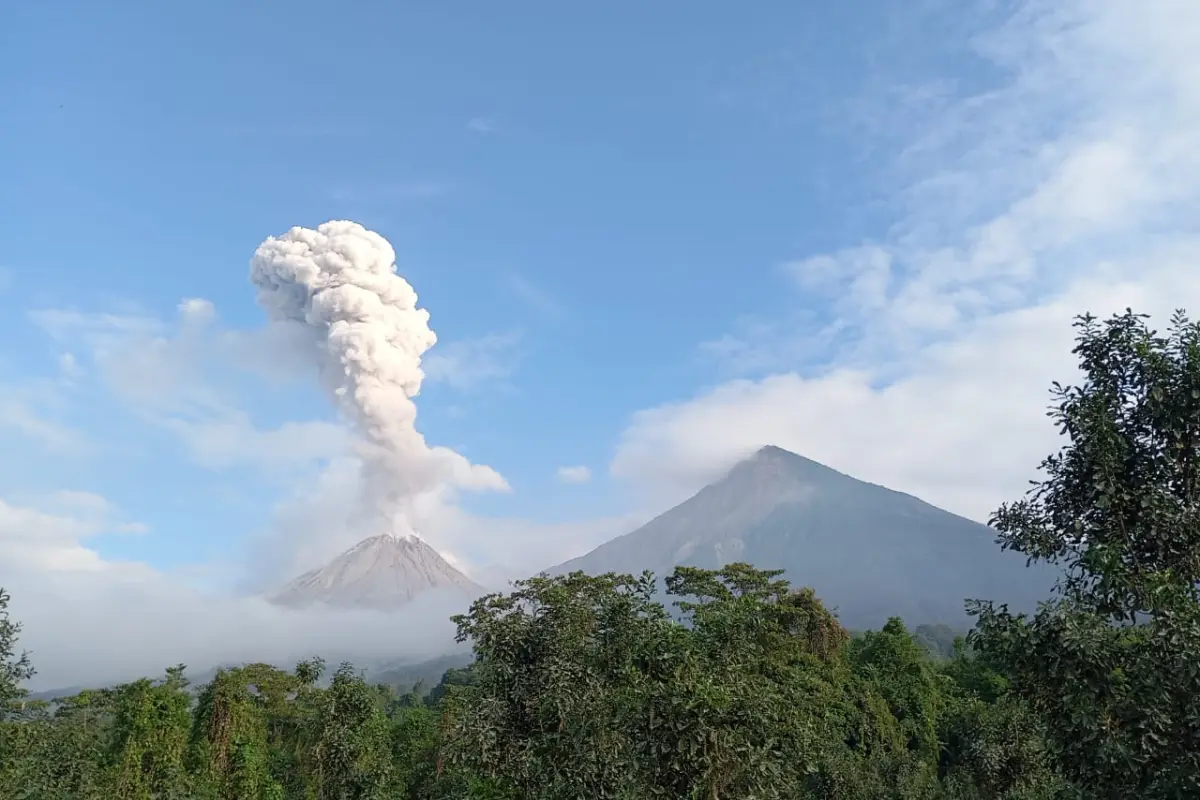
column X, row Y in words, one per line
column 869, row 552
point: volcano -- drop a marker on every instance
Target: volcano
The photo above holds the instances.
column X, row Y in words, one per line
column 382, row 573
column 868, row 551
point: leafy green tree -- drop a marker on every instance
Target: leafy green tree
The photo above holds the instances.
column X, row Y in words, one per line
column 350, row 741
column 996, row 751
column 455, row 676
column 940, row 640
column 1111, row 663
column 14, row 669
column 551, row 659
column 151, row 721
column 232, row 734
column 993, row 746
column 584, row 687
column 58, row 753
column 899, row 669
column 75, row 740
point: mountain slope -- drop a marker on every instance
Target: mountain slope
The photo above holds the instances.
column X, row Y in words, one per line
column 868, row 551
column 383, row 572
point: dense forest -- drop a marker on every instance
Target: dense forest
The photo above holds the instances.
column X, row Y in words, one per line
column 593, row 687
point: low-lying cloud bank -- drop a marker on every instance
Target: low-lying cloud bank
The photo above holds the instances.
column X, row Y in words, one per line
column 97, row 628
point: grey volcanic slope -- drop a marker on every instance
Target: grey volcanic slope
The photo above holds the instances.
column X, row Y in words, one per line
column 383, row 572
column 869, row 552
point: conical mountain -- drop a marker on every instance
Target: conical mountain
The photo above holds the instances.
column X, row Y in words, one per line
column 382, row 572
column 868, row 551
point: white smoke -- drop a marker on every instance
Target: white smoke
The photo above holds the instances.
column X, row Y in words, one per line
column 340, row 283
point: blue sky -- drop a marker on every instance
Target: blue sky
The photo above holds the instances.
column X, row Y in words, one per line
column 604, row 188
column 651, row 238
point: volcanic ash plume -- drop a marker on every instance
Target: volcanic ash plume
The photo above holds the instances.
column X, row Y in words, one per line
column 339, row 282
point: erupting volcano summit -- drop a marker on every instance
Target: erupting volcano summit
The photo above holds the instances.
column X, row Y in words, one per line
column 383, row 573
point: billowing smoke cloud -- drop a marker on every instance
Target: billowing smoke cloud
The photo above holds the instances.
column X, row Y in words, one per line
column 340, row 283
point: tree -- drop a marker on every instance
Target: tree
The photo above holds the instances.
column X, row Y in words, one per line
column 14, row 669
column 540, row 715
column 231, row 735
column 59, row 754
column 993, row 746
column 351, row 741
column 149, row 736
column 585, row 687
column 1112, row 663
column 899, row 668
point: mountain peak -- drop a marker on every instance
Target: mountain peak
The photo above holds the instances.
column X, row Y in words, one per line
column 867, row 550
column 382, row 572
column 386, row 540
column 774, row 465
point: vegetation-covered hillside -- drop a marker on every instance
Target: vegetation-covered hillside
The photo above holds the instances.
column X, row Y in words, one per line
column 586, row 687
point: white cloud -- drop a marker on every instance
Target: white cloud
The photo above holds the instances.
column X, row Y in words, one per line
column 101, row 627
column 578, row 474
column 178, row 378
column 100, row 331
column 1070, row 188
column 50, row 538
column 91, row 621
column 197, row 310
column 182, row 378
column 83, row 503
column 152, row 361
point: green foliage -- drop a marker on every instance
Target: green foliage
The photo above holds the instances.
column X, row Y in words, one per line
column 350, row 741
column 13, row 668
column 582, row 687
column 239, row 716
column 1111, row 664
column 585, row 687
column 941, row 641
column 898, row 668
column 996, row 750
column 149, row 735
column 57, row 755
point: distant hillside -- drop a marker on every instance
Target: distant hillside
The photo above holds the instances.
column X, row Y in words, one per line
column 868, row 551
column 426, row 673
column 402, row 675
column 196, row 680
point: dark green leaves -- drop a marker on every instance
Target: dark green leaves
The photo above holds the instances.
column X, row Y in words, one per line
column 13, row 668
column 1111, row 665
